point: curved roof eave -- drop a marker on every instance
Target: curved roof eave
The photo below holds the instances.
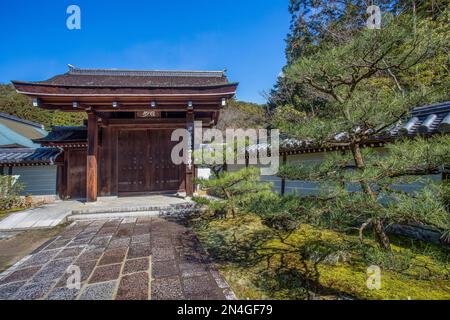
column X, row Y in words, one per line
column 206, row 86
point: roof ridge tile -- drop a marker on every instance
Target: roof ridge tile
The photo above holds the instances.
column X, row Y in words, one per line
column 145, row 73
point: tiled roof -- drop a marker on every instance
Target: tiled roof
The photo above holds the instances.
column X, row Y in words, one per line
column 145, row 73
column 19, row 120
column 426, row 120
column 65, row 135
column 11, row 139
column 29, row 156
column 16, row 132
column 77, row 77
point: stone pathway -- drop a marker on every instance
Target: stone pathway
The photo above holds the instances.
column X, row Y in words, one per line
column 50, row 215
column 143, row 258
column 47, row 216
column 130, row 204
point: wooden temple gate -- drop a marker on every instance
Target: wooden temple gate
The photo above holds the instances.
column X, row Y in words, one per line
column 125, row 146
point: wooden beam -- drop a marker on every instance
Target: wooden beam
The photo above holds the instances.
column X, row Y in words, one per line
column 216, row 117
column 127, row 107
column 151, row 123
column 92, row 151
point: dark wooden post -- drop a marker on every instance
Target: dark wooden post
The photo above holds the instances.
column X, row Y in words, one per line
column 92, row 150
column 283, row 180
column 190, row 144
column 247, row 158
column 67, row 186
column 446, row 174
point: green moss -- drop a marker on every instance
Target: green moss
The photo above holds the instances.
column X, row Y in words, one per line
column 261, row 264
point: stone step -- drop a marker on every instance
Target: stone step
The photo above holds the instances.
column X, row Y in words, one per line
column 105, row 210
column 113, row 215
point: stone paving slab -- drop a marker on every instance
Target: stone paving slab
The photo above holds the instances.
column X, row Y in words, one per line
column 125, row 259
column 47, row 216
column 112, row 215
column 53, row 214
column 129, row 205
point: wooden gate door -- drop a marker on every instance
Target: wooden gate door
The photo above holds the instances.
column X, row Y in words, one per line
column 145, row 163
column 163, row 174
column 131, row 156
column 76, row 173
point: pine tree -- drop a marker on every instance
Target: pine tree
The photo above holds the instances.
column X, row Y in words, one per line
column 233, row 191
column 363, row 84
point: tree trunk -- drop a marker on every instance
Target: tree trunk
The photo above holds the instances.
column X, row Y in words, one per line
column 378, row 228
column 382, row 238
column 228, row 195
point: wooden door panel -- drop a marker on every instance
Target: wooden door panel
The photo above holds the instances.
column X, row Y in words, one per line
column 76, row 173
column 145, row 163
column 131, row 157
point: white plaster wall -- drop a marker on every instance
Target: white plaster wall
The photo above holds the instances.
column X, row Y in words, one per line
column 37, row 180
column 311, row 188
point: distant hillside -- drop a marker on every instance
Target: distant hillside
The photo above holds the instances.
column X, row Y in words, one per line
column 19, row 105
column 240, row 114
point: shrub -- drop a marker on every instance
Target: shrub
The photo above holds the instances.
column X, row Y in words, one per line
column 9, row 193
column 234, row 191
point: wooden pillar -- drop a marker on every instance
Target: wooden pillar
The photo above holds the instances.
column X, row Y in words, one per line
column 446, row 174
column 58, row 181
column 92, row 151
column 190, row 144
column 283, row 180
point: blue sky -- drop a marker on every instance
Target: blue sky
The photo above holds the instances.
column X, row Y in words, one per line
column 244, row 36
